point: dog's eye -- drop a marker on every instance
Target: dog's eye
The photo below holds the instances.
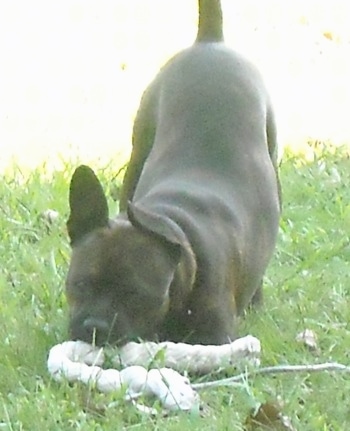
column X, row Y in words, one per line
column 81, row 287
column 90, row 287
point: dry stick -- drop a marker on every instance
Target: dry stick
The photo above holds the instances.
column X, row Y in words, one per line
column 236, row 380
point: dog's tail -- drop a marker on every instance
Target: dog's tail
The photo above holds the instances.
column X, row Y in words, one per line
column 210, row 21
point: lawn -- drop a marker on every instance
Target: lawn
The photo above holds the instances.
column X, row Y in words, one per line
column 307, row 287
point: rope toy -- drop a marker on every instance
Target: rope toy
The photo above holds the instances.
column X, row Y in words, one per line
column 195, row 359
column 79, row 361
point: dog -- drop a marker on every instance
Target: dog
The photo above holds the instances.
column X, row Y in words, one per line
column 199, row 210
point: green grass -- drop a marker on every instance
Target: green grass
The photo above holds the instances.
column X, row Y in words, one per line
column 307, row 286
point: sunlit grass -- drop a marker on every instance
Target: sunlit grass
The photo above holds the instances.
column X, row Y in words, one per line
column 307, row 286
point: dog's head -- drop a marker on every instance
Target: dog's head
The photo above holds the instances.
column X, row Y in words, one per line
column 120, row 271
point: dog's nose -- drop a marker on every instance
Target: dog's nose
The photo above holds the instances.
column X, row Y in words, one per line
column 96, row 326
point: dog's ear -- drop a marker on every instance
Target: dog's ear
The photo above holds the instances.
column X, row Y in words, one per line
column 176, row 243
column 88, row 204
column 155, row 224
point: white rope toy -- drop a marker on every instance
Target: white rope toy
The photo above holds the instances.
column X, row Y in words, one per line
column 79, row 361
column 196, row 359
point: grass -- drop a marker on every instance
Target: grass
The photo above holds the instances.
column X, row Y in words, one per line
column 307, row 286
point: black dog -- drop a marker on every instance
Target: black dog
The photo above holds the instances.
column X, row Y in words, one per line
column 187, row 254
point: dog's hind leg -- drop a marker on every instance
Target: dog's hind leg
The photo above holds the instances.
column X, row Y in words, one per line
column 258, row 297
column 271, row 135
column 142, row 142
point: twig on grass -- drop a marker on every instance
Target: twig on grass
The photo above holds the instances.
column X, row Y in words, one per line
column 236, row 380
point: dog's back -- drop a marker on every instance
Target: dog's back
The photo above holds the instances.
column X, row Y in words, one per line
column 210, row 29
column 208, row 60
